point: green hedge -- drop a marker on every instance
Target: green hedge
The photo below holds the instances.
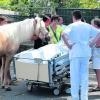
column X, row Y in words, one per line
column 88, row 14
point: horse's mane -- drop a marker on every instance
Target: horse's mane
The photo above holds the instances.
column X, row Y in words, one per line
column 18, row 31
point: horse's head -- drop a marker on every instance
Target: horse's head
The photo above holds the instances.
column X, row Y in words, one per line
column 40, row 28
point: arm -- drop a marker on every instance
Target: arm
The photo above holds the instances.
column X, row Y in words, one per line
column 65, row 39
column 93, row 42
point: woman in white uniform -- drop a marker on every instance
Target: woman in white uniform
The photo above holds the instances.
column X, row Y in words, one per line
column 79, row 34
column 96, row 55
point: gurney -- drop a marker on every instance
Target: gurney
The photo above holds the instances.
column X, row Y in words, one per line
column 47, row 66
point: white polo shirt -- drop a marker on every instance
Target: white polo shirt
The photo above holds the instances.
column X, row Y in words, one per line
column 80, row 33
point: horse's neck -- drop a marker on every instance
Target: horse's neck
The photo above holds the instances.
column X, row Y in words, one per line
column 25, row 30
column 18, row 31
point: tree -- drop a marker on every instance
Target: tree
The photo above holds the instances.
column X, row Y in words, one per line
column 4, row 2
column 29, row 7
column 72, row 3
column 89, row 4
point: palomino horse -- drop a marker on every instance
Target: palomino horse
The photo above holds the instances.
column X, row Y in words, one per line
column 11, row 36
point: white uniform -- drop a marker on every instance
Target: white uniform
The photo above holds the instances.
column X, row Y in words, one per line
column 79, row 33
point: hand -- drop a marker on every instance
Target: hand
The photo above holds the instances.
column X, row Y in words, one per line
column 70, row 46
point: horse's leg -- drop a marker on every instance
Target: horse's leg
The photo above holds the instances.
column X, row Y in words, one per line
column 2, row 71
column 9, row 76
column 8, row 73
column 7, row 81
column 11, row 51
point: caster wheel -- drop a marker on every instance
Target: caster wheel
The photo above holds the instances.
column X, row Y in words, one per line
column 67, row 90
column 56, row 91
column 29, row 88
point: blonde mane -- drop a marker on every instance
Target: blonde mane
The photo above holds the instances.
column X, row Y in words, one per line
column 19, row 31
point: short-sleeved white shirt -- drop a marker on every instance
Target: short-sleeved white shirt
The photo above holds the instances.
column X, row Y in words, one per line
column 80, row 34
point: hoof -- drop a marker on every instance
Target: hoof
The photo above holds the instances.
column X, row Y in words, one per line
column 8, row 89
column 13, row 83
column 2, row 87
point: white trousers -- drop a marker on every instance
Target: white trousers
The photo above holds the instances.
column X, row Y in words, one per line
column 79, row 69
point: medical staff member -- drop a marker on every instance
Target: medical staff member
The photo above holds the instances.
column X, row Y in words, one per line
column 79, row 34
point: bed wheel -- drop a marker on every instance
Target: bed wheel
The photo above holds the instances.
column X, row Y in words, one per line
column 56, row 91
column 67, row 90
column 29, row 87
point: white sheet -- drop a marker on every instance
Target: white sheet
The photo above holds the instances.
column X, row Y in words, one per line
column 45, row 53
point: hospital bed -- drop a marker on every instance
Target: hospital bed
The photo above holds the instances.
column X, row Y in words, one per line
column 47, row 66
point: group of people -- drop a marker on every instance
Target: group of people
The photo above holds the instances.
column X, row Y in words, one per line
column 83, row 41
column 55, row 27
column 82, row 38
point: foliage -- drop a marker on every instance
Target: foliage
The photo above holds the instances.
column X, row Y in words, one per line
column 89, row 4
column 72, row 3
column 4, row 2
column 29, row 7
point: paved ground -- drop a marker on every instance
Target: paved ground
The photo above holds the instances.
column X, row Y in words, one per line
column 19, row 92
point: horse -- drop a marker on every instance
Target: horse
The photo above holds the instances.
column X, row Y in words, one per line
column 11, row 36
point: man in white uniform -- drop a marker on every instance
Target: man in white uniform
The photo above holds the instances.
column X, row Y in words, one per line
column 79, row 34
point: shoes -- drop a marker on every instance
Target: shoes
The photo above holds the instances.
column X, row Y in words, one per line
column 7, row 88
column 94, row 89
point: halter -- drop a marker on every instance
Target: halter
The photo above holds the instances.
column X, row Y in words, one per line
column 40, row 29
column 35, row 24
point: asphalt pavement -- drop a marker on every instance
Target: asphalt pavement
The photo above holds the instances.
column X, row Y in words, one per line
column 19, row 92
